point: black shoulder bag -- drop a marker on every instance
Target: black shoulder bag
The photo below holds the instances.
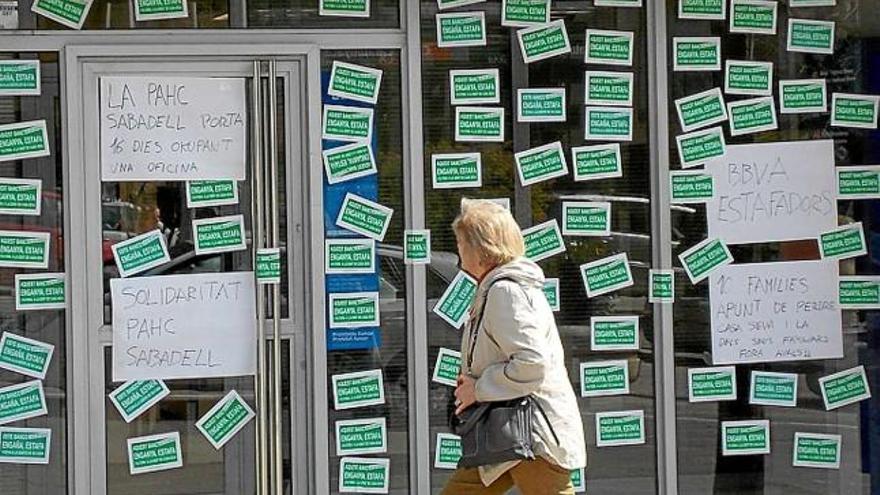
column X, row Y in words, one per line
column 495, row 432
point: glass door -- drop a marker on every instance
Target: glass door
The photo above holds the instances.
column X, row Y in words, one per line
column 180, row 192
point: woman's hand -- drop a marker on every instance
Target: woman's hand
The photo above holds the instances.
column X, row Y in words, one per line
column 465, row 393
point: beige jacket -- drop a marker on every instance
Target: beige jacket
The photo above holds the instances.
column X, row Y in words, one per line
column 518, row 352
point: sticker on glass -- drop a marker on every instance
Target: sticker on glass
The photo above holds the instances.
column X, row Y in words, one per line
column 456, row 300
column 705, row 257
column 364, row 217
column 346, row 256
column 361, row 436
column 803, row 96
column 614, row 333
column 219, row 234
column 585, row 218
column 602, row 161
column 24, row 249
column 23, row 140
column 354, row 82
column 608, row 124
column 543, row 241
column 543, row 42
column 416, row 247
column 225, row 419
column 456, row 170
column 358, row 389
column 135, row 397
column 606, row 275
column 461, row 29
column 540, row 105
column 154, row 453
column 352, row 124
column 19, row 77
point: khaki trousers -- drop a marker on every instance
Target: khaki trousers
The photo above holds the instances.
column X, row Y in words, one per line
column 538, row 477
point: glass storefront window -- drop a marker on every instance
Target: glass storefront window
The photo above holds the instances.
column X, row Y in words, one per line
column 629, row 469
column 851, row 69
column 46, row 325
column 382, row 348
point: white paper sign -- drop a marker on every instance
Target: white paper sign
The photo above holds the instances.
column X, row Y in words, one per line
column 773, row 192
column 184, row 326
column 768, row 312
column 172, row 128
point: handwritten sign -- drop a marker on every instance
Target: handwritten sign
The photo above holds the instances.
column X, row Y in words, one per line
column 768, row 312
column 172, row 128
column 773, row 192
column 183, row 326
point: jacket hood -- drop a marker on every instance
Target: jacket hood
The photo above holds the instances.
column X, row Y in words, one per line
column 521, row 270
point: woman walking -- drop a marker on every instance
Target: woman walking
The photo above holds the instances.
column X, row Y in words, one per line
column 510, row 350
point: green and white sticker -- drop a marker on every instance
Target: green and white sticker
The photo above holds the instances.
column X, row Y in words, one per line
column 344, row 8
column 711, row 384
column 620, row 428
column 25, row 445
column 354, row 309
column 219, row 234
column 702, row 259
column 662, row 286
column 525, row 13
column 773, row 389
column 608, row 88
column 604, row 378
column 551, row 292
column 812, row 3
column 540, row 164
column 39, row 291
column 700, row 110
column 353, row 124
column 858, row 182
column 474, row 87
column 751, row 116
column 809, row 36
column 816, row 450
column 364, row 475
column 225, row 419
column 844, row 388
column 345, row 256
column 543, row 241
column 617, row 3
column 614, row 333
column 456, row 170
column 602, row 161
column 135, row 397
column 201, row 193
column 70, row 13
column 354, row 82
column 447, row 367
column 154, row 453
column 696, row 54
column 844, row 242
column 365, row 217
column 358, row 389
column 585, row 218
column 478, row 124
column 743, row 77
column 540, row 105
column 19, row 77
column 803, row 96
column 697, row 148
column 606, row 275
column 710, row 10
column 348, row 162
column 268, row 269
column 753, row 16
column 691, row 186
column 23, row 140
column 849, row 110
column 456, row 300
column 417, row 247
column 448, row 450
column 461, row 29
column 140, row 253
column 450, row 4
column 20, row 196
column 608, row 47
column 859, row 292
column 23, row 249
column 361, row 436
column 745, row 437
column 22, row 401
column 579, row 480
column 542, row 42
column 154, row 10
column 26, row 356
column 608, row 124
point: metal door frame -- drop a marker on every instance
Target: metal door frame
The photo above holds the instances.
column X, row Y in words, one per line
column 84, row 64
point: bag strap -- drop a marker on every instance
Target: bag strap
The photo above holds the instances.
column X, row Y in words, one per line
column 476, row 329
column 546, row 419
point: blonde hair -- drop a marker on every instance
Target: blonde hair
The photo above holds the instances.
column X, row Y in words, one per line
column 490, row 230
